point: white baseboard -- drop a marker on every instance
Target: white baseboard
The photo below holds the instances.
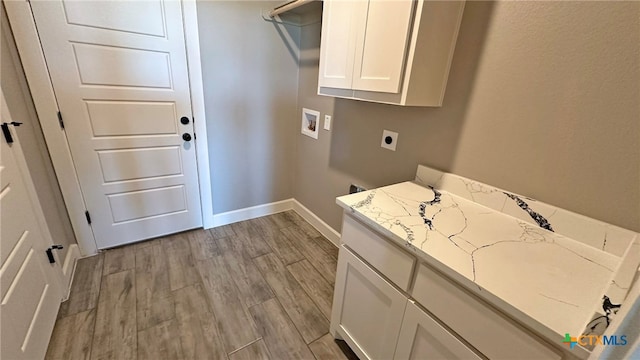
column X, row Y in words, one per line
column 273, row 208
column 253, row 212
column 324, row 228
column 68, row 268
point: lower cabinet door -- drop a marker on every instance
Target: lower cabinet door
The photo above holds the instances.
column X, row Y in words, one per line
column 367, row 310
column 422, row 338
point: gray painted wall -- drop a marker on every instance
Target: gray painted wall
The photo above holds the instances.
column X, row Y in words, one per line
column 16, row 92
column 250, row 73
column 542, row 100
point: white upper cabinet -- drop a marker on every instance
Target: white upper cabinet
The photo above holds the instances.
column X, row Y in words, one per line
column 336, row 64
column 381, row 45
column 388, row 51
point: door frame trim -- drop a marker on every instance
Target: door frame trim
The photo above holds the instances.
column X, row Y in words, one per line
column 28, row 43
column 192, row 44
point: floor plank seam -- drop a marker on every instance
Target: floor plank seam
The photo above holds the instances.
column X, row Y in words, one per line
column 237, row 291
column 277, row 298
column 301, row 248
column 246, row 345
column 155, row 325
column 115, row 272
column 308, row 294
column 318, row 338
column 93, row 333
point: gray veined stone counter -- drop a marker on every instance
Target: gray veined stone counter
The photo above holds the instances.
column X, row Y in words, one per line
column 513, row 251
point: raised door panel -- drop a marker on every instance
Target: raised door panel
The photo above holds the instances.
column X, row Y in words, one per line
column 367, row 310
column 117, row 16
column 129, row 164
column 421, row 337
column 136, row 118
column 115, row 66
column 340, row 22
column 381, row 47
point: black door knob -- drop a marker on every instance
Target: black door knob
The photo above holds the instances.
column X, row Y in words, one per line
column 184, row 120
column 186, row 137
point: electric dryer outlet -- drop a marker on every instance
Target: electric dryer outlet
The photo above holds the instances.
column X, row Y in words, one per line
column 389, row 140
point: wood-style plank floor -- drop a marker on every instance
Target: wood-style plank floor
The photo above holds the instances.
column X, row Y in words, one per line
column 257, row 289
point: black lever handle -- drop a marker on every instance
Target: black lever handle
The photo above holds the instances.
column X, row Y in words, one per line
column 7, row 133
column 186, row 137
column 50, row 252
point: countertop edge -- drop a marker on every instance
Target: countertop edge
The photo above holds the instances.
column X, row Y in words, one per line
column 492, row 300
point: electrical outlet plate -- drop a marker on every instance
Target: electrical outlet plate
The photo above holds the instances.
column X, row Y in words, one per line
column 327, row 122
column 389, row 140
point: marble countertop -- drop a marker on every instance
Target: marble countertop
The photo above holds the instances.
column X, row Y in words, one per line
column 550, row 282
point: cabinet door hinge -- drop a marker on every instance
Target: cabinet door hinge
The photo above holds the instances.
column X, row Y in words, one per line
column 60, row 120
column 86, row 213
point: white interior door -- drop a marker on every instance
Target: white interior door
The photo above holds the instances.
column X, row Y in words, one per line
column 119, row 73
column 30, row 291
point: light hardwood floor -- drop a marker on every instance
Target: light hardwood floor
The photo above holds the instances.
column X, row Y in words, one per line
column 258, row 289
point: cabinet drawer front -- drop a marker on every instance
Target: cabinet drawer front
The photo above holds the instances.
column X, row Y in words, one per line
column 421, row 337
column 367, row 310
column 479, row 324
column 384, row 256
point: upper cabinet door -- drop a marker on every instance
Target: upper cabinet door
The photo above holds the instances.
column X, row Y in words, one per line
column 388, row 51
column 340, row 20
column 381, row 46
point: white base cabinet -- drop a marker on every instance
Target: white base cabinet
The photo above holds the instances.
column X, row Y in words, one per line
column 421, row 337
column 367, row 310
column 380, row 316
column 379, row 322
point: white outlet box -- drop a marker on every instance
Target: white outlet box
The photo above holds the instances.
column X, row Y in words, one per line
column 327, row 122
column 389, row 140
